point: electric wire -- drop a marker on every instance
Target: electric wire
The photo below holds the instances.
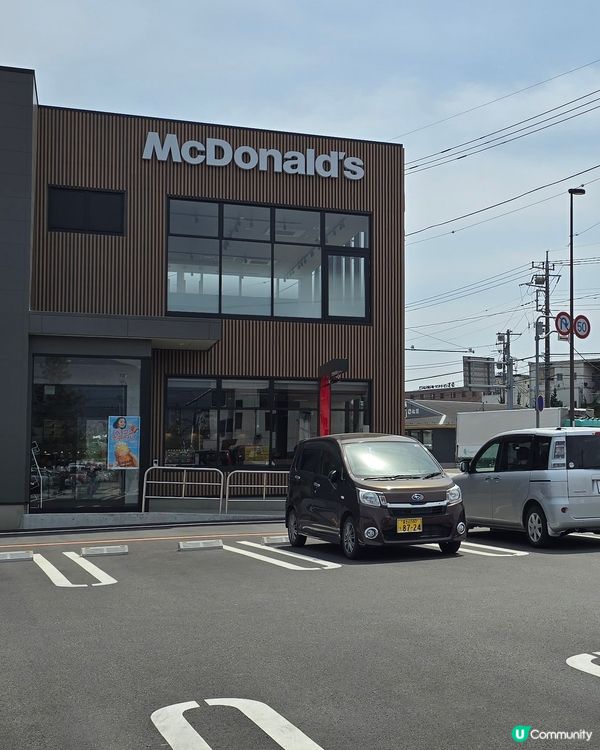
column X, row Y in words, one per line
column 502, row 203
column 445, row 153
column 497, row 99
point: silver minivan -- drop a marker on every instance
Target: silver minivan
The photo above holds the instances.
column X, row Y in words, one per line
column 543, row 481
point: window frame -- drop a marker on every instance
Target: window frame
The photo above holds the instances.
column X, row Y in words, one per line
column 272, row 409
column 327, row 251
column 101, row 232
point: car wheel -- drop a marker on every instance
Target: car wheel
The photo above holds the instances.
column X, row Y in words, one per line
column 350, row 546
column 296, row 538
column 536, row 527
column 450, row 548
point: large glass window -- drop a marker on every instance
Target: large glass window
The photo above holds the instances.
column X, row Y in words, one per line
column 346, row 280
column 191, row 434
column 246, row 222
column 347, row 230
column 243, row 260
column 297, row 281
column 297, row 226
column 196, row 218
column 75, row 404
column 226, row 422
column 246, row 278
column 193, row 275
column 92, row 211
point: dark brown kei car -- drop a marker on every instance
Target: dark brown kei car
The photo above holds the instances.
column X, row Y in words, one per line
column 368, row 490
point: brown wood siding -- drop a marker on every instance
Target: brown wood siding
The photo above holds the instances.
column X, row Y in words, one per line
column 127, row 275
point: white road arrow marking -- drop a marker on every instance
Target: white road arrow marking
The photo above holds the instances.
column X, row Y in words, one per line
column 103, row 578
column 180, row 735
column 278, row 728
column 54, row 574
column 585, row 663
column 324, row 563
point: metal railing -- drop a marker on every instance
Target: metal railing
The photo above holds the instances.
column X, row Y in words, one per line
column 187, row 476
column 279, row 481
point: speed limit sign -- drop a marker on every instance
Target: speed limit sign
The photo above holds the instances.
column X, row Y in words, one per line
column 581, row 326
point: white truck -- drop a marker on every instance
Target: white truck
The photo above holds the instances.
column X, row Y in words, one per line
column 474, row 428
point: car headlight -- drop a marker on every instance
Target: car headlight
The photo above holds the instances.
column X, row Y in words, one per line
column 368, row 497
column 453, row 495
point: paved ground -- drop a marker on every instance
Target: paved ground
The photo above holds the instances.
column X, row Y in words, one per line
column 404, row 649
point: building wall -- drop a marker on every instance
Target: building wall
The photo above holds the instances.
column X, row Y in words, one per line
column 18, row 102
column 126, row 275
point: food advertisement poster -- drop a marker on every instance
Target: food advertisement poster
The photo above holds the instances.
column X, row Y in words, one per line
column 123, row 442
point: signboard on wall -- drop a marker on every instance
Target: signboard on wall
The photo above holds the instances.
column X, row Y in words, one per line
column 123, row 450
column 478, row 372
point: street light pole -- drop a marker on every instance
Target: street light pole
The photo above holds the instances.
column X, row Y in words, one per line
column 572, row 192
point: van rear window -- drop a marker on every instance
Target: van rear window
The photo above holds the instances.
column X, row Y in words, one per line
column 583, row 451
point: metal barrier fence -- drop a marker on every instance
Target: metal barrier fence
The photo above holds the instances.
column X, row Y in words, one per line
column 279, row 482
column 187, row 474
column 183, row 481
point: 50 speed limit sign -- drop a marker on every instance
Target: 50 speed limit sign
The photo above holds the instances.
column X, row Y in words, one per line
column 581, row 327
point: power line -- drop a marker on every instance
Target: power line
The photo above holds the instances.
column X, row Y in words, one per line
column 472, row 151
column 502, row 203
column 498, row 99
column 446, row 151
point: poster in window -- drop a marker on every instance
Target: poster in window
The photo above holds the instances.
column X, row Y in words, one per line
column 123, row 442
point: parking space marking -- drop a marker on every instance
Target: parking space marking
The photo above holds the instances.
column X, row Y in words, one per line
column 583, row 535
column 103, row 578
column 326, row 565
column 264, row 558
column 54, row 574
column 180, row 735
column 585, row 663
column 480, row 549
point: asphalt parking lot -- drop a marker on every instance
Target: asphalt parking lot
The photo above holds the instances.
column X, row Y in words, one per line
column 253, row 646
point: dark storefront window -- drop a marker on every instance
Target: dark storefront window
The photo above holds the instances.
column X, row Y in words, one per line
column 227, row 422
column 244, row 260
column 77, row 453
column 93, row 211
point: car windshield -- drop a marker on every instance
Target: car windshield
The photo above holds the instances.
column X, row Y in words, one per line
column 392, row 459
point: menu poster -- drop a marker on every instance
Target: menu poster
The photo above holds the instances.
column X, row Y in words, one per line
column 123, row 442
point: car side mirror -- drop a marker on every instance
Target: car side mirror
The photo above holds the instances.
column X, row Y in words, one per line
column 334, row 476
column 464, row 466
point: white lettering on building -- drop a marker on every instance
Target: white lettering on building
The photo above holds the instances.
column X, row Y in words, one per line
column 219, row 153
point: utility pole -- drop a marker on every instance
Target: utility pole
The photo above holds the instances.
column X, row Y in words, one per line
column 507, row 367
column 541, row 283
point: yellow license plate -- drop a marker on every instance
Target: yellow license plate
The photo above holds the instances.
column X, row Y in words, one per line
column 409, row 525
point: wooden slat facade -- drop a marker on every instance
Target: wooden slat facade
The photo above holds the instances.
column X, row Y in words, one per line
column 127, row 275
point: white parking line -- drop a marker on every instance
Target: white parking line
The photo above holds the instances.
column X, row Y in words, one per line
column 585, row 663
column 54, row 574
column 279, row 563
column 103, row 578
column 583, row 535
column 324, row 563
column 479, row 549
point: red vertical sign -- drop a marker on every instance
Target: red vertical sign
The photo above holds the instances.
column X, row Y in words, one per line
column 324, row 405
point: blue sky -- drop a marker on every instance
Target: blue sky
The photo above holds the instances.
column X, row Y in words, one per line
column 371, row 70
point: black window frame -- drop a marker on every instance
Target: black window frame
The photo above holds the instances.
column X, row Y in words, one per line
column 327, row 251
column 88, row 191
column 272, row 409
